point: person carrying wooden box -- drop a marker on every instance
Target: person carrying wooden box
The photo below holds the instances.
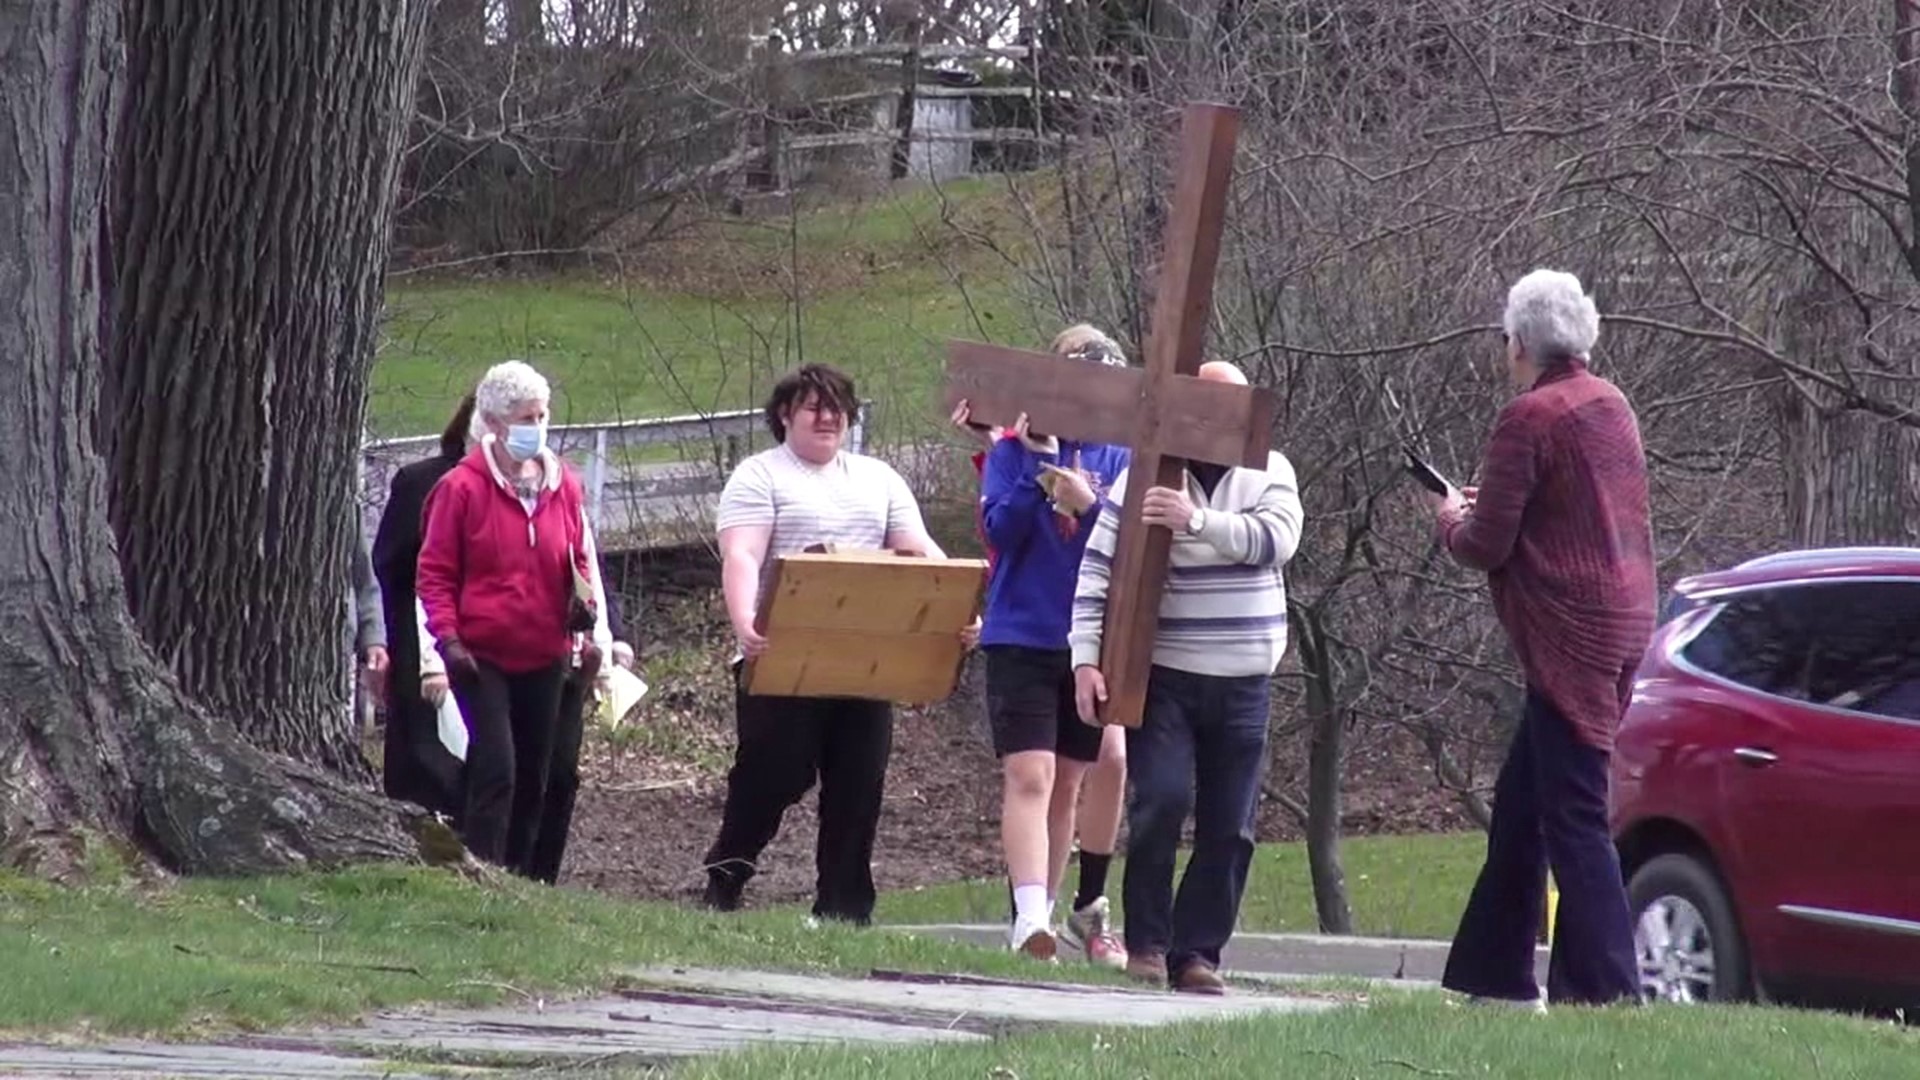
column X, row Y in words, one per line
column 806, row 492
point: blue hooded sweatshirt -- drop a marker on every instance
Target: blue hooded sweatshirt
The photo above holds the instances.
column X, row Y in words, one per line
column 1030, row 596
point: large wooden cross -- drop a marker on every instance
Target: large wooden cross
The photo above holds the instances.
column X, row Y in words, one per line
column 1162, row 412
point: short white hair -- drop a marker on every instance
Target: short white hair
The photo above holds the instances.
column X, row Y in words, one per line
column 502, row 389
column 1552, row 316
column 1084, row 341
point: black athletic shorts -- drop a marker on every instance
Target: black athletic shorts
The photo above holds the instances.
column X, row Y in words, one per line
column 1030, row 704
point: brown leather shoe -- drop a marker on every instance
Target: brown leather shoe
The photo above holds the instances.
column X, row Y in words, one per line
column 1198, row 977
column 1148, row 967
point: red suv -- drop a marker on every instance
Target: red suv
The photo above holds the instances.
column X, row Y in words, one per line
column 1766, row 784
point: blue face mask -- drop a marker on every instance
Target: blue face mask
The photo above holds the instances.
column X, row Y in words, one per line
column 525, row 441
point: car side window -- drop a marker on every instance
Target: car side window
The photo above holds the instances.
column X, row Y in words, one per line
column 1848, row 644
column 1755, row 639
column 1864, row 651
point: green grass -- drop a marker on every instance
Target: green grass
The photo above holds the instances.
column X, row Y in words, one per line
column 261, row 953
column 1401, row 1036
column 880, row 287
column 265, row 952
column 1400, row 886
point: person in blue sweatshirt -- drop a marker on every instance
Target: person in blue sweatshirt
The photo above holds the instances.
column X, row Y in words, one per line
column 1040, row 497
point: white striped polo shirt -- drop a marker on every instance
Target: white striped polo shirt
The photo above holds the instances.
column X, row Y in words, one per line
column 853, row 501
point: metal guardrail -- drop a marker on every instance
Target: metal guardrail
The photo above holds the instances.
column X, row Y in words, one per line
column 594, row 449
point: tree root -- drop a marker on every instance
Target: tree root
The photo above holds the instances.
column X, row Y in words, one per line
column 213, row 804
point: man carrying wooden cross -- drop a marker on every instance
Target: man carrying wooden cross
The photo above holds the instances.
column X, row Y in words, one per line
column 1201, row 745
column 1188, row 670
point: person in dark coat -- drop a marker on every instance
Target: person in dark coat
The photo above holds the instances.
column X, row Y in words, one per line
column 417, row 765
column 563, row 773
column 1561, row 527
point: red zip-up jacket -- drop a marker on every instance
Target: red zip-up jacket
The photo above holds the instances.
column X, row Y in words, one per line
column 495, row 576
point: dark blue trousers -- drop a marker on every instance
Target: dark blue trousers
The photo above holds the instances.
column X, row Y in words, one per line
column 1201, row 747
column 1549, row 809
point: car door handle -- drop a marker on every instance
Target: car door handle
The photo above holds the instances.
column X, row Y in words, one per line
column 1755, row 756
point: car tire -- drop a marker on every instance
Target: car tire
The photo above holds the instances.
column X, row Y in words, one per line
column 1676, row 896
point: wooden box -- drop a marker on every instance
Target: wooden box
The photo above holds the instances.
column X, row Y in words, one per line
column 865, row 624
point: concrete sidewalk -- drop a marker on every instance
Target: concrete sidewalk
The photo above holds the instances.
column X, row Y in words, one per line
column 1409, row 962
column 656, row 1017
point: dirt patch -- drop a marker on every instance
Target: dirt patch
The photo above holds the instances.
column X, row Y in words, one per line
column 652, row 793
column 642, row 825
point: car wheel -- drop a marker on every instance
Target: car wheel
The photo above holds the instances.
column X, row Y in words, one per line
column 1684, row 936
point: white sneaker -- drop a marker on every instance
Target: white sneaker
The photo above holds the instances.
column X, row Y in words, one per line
column 1033, row 938
column 1090, row 930
column 1537, row 1006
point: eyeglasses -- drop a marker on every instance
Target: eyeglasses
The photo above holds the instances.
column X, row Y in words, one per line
column 1095, row 350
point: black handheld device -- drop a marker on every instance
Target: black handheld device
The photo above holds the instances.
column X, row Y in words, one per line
column 1425, row 474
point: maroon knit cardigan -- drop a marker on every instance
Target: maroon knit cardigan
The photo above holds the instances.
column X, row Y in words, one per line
column 1561, row 527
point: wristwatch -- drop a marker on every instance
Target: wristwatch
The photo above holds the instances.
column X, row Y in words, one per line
column 1199, row 517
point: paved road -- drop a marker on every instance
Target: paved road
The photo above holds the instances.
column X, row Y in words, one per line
column 665, row 504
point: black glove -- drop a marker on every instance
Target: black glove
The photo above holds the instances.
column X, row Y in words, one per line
column 590, row 661
column 460, row 662
column 580, row 617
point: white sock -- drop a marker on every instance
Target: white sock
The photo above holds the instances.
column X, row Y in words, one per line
column 1029, row 904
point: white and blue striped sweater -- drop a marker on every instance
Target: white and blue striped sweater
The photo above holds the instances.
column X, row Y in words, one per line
column 1224, row 611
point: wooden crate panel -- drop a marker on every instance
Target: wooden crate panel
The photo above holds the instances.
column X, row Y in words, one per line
column 866, row 624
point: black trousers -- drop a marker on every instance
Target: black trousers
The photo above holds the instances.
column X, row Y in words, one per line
column 785, row 744
column 563, row 782
column 415, row 767
column 1549, row 809
column 510, row 721
column 1201, row 750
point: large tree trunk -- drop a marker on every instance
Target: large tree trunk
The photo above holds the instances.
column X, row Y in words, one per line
column 1851, row 477
column 95, row 734
column 251, row 210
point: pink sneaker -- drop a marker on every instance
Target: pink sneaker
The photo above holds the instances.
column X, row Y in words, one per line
column 1088, row 928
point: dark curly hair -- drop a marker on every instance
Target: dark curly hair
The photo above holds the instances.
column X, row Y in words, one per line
column 825, row 385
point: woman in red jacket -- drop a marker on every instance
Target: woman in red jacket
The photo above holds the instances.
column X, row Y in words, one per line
column 505, row 578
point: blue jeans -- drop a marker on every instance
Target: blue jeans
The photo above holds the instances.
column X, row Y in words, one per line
column 1202, row 748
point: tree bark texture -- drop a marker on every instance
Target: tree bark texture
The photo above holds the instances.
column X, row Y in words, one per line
column 95, row 734
column 526, row 24
column 1326, row 762
column 913, row 33
column 1852, row 477
column 250, row 216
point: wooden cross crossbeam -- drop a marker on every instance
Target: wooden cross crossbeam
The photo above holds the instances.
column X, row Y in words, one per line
column 1162, row 412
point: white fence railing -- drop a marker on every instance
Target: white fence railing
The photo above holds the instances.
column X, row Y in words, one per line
column 624, row 496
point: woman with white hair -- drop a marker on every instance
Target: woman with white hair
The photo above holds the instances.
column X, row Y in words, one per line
column 508, row 580
column 1560, row 524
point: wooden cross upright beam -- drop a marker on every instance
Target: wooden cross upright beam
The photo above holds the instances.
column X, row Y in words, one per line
column 1165, row 414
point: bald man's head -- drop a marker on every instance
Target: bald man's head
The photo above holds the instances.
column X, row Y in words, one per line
column 1221, row 371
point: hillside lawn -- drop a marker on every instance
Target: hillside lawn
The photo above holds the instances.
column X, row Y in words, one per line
column 707, row 319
